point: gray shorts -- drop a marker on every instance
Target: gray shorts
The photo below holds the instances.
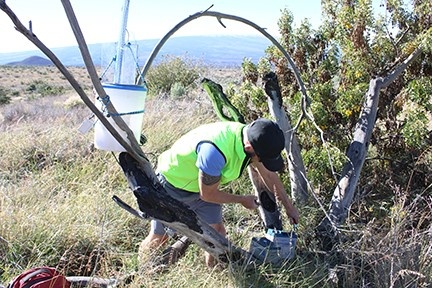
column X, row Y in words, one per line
column 208, row 212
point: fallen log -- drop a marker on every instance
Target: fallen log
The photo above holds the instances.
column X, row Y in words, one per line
column 86, row 281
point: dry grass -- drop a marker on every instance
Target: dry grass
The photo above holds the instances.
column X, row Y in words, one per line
column 17, row 79
column 55, row 206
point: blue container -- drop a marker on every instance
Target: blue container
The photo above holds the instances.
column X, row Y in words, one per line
column 275, row 248
column 286, row 241
column 264, row 250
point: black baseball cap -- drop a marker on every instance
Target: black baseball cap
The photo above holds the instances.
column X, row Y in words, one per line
column 268, row 141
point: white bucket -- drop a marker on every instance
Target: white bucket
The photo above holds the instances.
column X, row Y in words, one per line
column 129, row 101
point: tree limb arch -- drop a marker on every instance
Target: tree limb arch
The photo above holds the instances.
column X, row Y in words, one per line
column 219, row 16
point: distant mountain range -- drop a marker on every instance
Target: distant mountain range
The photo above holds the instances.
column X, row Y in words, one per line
column 221, row 51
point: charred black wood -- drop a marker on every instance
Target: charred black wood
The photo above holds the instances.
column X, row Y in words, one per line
column 152, row 197
column 269, row 211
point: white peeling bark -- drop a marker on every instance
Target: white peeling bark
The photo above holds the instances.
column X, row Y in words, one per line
column 297, row 172
column 268, row 208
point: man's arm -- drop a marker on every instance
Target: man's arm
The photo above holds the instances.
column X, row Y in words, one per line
column 274, row 185
column 209, row 192
column 210, row 163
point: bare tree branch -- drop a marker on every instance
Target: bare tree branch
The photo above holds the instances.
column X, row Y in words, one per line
column 132, row 147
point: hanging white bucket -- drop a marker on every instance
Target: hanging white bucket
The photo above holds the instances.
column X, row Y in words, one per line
column 129, row 101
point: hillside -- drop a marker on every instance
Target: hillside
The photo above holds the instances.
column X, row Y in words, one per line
column 225, row 51
column 32, row 61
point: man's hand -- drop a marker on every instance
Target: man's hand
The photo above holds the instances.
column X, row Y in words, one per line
column 293, row 215
column 249, row 202
column 274, row 184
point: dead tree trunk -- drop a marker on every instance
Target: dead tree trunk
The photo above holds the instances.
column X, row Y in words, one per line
column 356, row 154
column 268, row 208
column 296, row 167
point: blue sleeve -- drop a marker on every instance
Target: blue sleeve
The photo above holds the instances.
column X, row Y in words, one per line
column 210, row 159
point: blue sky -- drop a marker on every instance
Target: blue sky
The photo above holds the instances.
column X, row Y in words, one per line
column 148, row 19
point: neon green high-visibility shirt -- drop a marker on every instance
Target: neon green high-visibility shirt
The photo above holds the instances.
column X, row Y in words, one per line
column 178, row 164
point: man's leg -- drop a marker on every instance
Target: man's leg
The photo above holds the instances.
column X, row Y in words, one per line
column 156, row 237
column 212, row 214
column 209, row 259
column 209, row 212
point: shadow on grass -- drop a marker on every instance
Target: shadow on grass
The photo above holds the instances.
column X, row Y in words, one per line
column 302, row 271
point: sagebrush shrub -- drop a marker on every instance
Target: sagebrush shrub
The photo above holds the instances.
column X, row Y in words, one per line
column 42, row 88
column 169, row 72
column 4, row 97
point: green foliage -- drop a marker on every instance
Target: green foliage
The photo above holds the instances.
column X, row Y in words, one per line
column 427, row 41
column 263, row 67
column 4, row 97
column 177, row 90
column 338, row 59
column 172, row 76
column 347, row 104
column 249, row 98
column 285, row 27
column 249, row 71
column 420, row 92
column 415, row 130
column 42, row 89
column 319, row 169
column 250, row 101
